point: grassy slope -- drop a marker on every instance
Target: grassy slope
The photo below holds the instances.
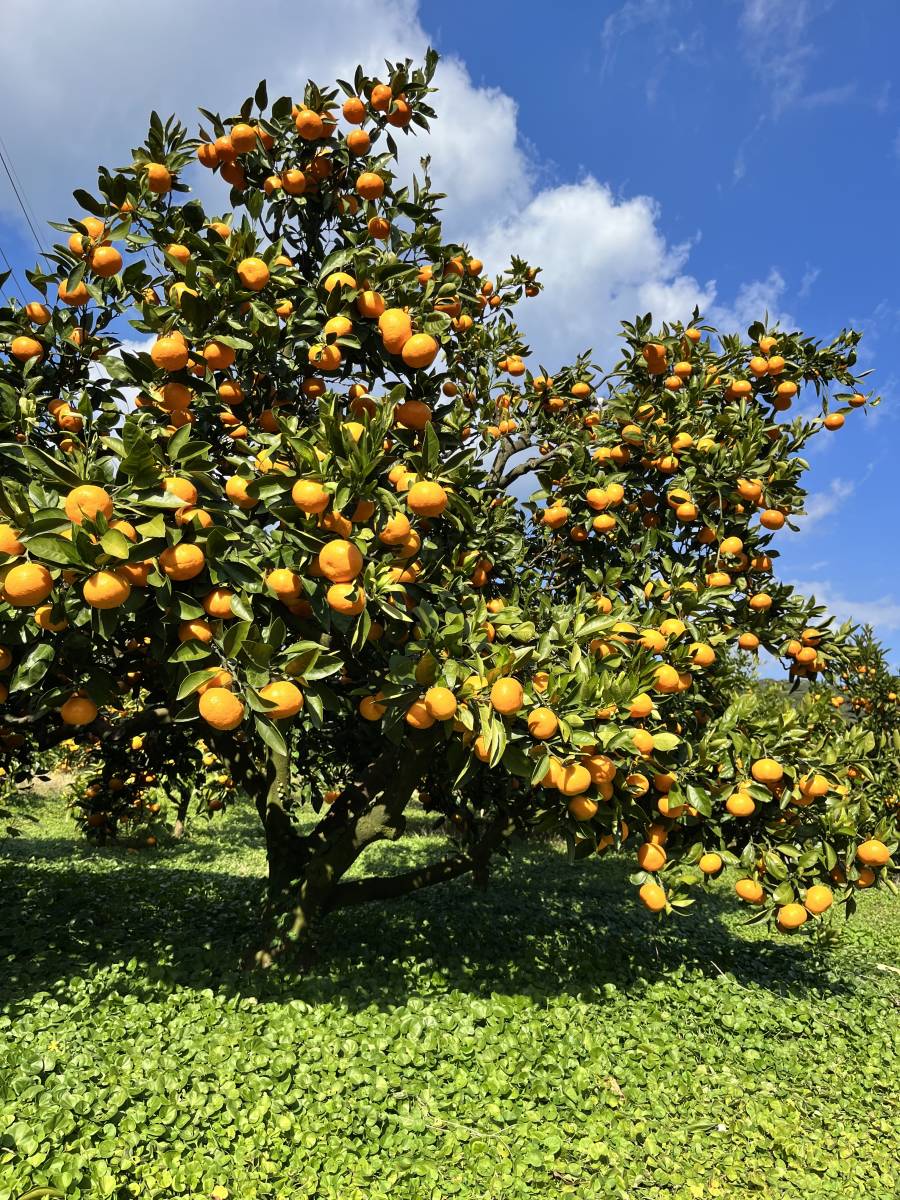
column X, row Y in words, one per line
column 544, row 1038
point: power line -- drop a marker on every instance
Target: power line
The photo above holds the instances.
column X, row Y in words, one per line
column 28, row 203
column 12, row 273
column 18, row 195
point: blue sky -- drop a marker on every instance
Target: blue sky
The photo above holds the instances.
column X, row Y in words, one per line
column 743, row 153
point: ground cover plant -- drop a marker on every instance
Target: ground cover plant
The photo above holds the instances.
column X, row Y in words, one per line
column 535, row 1038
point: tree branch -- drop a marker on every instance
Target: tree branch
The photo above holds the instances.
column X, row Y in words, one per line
column 523, row 468
column 390, row 887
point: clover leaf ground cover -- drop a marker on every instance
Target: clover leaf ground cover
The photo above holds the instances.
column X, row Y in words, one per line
column 517, row 1042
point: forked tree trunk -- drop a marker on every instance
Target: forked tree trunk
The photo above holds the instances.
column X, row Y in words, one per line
column 306, row 871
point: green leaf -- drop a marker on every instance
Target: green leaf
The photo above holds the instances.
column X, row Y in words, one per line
column 33, row 667
column 116, row 544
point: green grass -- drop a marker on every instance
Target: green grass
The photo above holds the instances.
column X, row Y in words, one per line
column 544, row 1038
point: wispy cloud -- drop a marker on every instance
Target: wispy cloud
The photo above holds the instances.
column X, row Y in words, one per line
column 810, row 275
column 820, row 505
column 883, row 613
column 753, row 302
column 632, row 15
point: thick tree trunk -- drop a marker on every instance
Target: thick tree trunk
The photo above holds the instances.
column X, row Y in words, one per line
column 306, row 871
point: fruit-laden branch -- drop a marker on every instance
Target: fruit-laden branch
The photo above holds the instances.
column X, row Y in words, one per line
column 48, row 736
column 391, row 887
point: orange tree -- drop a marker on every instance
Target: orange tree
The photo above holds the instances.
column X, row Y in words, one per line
column 289, row 521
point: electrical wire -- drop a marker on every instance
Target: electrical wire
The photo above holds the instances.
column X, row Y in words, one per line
column 6, row 162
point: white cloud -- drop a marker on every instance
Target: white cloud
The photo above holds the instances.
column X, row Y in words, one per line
column 883, row 613
column 820, row 505
column 753, row 301
column 605, row 257
column 810, row 275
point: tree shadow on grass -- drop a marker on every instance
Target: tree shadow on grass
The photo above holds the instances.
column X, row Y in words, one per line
column 542, row 929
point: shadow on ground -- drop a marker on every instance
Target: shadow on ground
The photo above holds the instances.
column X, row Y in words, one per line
column 542, row 929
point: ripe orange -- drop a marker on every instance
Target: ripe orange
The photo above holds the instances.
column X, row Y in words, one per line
column 43, row 618
column 9, row 541
column 370, row 709
column 641, row 706
column 542, row 723
column 196, row 629
column 369, row 185
column 572, row 779
column 651, row 857
column 24, row 348
column 655, row 358
column 170, row 352
column 427, row 498
column 38, row 313
column 666, row 678
column 74, row 297
column 78, row 710
column 106, row 262
column 420, row 350
column 253, row 273
column 309, row 125
column 243, row 138
column 441, row 703
column 813, row 786
column 182, row 488
column 347, row 599
column 86, row 501
column 740, row 804
column 354, row 110
column 413, row 414
column 702, row 655
column 221, row 709
column 181, row 562
column 418, row 716
column 818, row 899
column 395, row 530
column 27, row 584
column 219, row 355
column 106, row 589
column 652, row 896
column 159, row 178
column 286, row 696
column 236, row 491
column 395, row 328
column 582, row 808
column 601, row 769
column 507, row 697
column 286, row 584
column 792, row 916
column 310, row 496
column 750, row 890
column 642, row 741
column 873, row 853
column 217, row 603
column 767, row 770
column 340, row 561
column 710, row 864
